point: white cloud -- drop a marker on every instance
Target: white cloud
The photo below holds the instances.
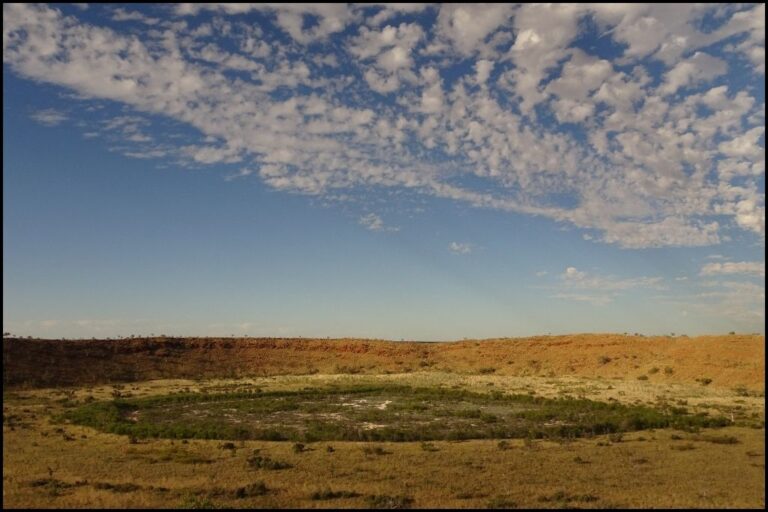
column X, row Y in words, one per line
column 389, row 52
column 49, row 117
column 460, row 248
column 373, row 222
column 483, row 69
column 571, row 274
column 643, row 168
column 121, row 14
column 737, row 302
column 745, row 145
column 583, row 286
column 544, row 32
column 596, row 300
column 239, row 174
column 756, row 268
column 290, row 17
column 465, row 26
column 392, row 9
column 699, row 68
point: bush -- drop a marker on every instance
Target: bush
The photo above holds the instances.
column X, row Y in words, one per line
column 704, row 381
column 116, row 487
column 642, row 377
column 604, row 360
column 262, row 462
column 668, row 370
column 375, row 450
column 564, row 497
column 487, row 370
column 197, row 502
column 653, row 370
column 721, row 439
column 254, row 489
column 328, row 494
column 501, row 502
column 741, row 391
column 428, row 447
column 389, row 502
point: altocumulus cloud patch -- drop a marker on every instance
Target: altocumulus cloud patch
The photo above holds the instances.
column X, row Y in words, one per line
column 649, row 119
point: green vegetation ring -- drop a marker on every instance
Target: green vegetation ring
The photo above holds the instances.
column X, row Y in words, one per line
column 373, row 413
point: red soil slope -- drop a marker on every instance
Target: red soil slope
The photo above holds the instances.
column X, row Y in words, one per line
column 730, row 361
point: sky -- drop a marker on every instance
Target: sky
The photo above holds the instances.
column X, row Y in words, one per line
column 397, row 171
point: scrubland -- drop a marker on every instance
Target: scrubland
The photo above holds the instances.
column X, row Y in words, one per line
column 566, row 424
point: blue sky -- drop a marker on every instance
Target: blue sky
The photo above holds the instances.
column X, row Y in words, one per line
column 411, row 171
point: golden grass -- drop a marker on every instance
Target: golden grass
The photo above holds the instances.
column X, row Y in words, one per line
column 646, row 469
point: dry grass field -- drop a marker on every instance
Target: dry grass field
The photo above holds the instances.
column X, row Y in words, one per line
column 50, row 461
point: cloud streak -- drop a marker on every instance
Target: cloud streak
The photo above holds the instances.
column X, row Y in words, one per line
column 754, row 268
column 49, row 117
